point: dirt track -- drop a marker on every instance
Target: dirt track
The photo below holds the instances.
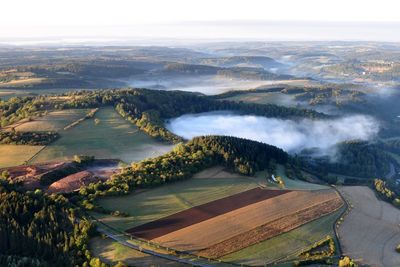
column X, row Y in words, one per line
column 203, row 212
column 225, row 226
column 370, row 232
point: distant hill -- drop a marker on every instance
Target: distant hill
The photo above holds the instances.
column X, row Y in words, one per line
column 242, row 61
column 245, row 73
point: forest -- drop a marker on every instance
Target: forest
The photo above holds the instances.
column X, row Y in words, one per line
column 37, row 229
column 27, row 138
column 239, row 155
column 356, row 158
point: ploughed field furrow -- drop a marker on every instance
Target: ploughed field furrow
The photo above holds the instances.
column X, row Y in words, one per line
column 203, row 235
column 202, row 213
column 271, row 229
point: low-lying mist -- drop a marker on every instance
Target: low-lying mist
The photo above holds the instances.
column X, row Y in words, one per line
column 206, row 84
column 292, row 136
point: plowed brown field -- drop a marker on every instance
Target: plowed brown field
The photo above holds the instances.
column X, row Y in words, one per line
column 271, row 229
column 228, row 225
column 202, row 213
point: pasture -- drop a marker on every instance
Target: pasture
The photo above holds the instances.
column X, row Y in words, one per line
column 112, row 137
column 370, row 232
column 14, row 155
column 53, row 121
column 295, row 183
column 111, row 252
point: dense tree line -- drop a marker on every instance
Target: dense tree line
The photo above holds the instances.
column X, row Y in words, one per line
column 357, row 158
column 237, row 154
column 148, row 109
column 27, row 138
column 41, row 230
column 15, row 109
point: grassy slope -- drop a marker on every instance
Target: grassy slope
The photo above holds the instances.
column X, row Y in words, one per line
column 54, row 121
column 111, row 252
column 296, row 184
column 113, row 137
column 286, row 244
column 13, row 155
column 168, row 199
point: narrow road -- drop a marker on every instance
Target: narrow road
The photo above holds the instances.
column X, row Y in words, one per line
column 191, row 260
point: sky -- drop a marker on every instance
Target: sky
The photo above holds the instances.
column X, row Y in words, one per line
column 205, row 19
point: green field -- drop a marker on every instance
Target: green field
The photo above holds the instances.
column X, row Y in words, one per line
column 111, row 252
column 286, row 246
column 113, row 137
column 168, row 199
column 151, row 204
column 54, row 121
column 296, row 184
column 13, row 155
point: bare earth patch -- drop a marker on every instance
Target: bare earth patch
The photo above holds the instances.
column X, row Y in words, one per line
column 370, row 232
column 72, row 182
column 29, row 174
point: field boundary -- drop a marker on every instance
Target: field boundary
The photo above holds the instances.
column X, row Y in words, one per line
column 340, row 218
column 202, row 213
column 268, row 230
column 171, row 254
column 35, row 155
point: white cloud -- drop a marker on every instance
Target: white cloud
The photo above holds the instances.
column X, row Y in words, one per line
column 290, row 135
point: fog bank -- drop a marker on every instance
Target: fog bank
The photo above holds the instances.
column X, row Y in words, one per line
column 292, row 136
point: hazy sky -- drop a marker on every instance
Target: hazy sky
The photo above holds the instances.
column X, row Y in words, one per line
column 257, row 19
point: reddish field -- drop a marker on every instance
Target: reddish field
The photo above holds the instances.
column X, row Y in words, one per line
column 28, row 174
column 203, row 235
column 72, row 182
column 271, row 229
column 202, row 213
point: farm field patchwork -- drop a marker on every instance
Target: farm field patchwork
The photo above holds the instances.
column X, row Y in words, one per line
column 242, row 220
column 285, row 246
column 306, row 215
column 202, row 213
column 375, row 246
column 153, row 204
column 112, row 137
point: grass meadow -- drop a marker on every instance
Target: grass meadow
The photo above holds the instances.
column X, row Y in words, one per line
column 112, row 137
column 13, row 155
